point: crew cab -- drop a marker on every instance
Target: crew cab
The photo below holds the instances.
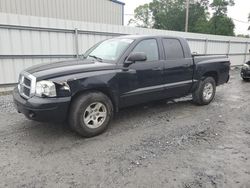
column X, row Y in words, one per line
column 117, row 73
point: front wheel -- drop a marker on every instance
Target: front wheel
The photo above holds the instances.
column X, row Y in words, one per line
column 205, row 92
column 90, row 113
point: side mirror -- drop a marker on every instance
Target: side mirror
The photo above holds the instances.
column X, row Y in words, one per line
column 135, row 56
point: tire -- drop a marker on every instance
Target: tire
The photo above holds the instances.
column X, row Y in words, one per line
column 87, row 112
column 207, row 84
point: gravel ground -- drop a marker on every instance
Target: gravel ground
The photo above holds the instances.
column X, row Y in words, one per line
column 161, row 144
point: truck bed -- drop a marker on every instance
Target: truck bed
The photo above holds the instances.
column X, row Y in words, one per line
column 217, row 65
column 207, row 58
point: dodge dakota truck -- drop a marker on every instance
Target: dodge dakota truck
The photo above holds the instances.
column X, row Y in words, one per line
column 116, row 73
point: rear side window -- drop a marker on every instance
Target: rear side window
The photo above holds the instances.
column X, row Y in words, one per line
column 149, row 47
column 173, row 49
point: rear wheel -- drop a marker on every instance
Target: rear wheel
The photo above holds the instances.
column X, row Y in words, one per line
column 205, row 92
column 90, row 114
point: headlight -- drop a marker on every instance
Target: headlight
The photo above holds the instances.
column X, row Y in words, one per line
column 245, row 66
column 45, row 88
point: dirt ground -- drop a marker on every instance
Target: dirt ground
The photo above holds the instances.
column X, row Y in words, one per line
column 161, row 144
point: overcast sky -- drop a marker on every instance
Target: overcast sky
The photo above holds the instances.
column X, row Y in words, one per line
column 238, row 13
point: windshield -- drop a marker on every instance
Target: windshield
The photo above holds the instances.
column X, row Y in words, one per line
column 110, row 49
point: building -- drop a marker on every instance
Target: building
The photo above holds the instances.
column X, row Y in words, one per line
column 98, row 11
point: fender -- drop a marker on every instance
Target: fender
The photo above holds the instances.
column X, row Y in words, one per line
column 104, row 81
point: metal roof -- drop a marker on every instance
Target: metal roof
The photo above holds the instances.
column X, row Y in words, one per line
column 118, row 2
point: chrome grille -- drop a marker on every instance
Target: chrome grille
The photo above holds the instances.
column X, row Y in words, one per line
column 27, row 81
column 26, row 85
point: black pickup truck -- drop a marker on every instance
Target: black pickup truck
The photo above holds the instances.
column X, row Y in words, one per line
column 116, row 73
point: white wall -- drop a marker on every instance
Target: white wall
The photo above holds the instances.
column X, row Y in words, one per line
column 60, row 41
column 100, row 11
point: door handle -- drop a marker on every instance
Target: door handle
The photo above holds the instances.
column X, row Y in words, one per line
column 157, row 68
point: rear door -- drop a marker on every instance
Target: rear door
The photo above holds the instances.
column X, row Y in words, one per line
column 143, row 81
column 178, row 69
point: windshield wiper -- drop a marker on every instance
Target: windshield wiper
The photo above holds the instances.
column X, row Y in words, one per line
column 95, row 57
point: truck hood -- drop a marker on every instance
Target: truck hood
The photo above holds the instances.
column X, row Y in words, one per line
column 62, row 68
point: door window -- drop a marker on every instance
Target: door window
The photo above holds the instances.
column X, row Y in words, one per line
column 149, row 47
column 173, row 49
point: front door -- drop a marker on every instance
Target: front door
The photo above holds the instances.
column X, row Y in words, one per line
column 142, row 81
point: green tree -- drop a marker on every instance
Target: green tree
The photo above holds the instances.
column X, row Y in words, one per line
column 198, row 18
column 220, row 6
column 142, row 17
column 244, row 36
column 170, row 18
column 220, row 23
column 170, row 15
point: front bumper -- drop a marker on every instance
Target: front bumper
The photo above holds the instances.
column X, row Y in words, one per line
column 245, row 73
column 42, row 109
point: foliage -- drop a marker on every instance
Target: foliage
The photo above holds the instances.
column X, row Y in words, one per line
column 166, row 14
column 143, row 17
column 244, row 36
column 198, row 17
column 170, row 15
column 221, row 25
column 220, row 6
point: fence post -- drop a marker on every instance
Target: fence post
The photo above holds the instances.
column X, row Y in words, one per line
column 228, row 47
column 245, row 55
column 205, row 49
column 76, row 43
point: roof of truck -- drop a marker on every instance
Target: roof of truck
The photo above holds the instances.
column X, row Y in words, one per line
column 147, row 36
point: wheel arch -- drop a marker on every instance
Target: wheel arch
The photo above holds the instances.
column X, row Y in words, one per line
column 106, row 91
column 212, row 74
